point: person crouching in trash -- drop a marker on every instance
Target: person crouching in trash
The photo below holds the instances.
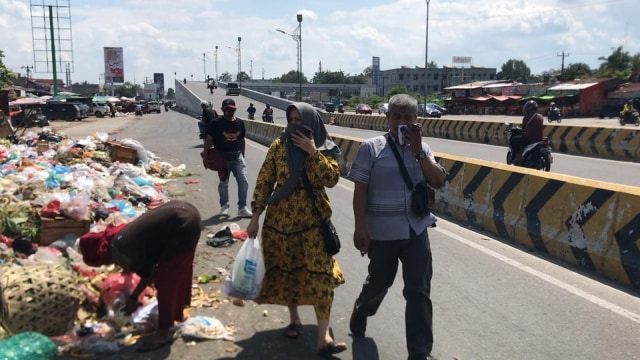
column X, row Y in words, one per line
column 159, row 246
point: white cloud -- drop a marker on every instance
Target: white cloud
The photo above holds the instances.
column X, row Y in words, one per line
column 171, row 36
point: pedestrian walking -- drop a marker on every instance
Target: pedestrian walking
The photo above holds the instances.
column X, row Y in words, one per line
column 388, row 229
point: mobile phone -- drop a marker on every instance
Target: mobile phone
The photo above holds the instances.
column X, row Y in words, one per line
column 403, row 128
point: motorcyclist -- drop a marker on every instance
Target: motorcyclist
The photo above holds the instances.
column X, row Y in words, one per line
column 553, row 107
column 208, row 112
column 532, row 124
column 251, row 110
column 627, row 110
column 138, row 109
column 267, row 114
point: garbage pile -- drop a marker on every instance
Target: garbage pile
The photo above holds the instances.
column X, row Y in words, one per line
column 53, row 189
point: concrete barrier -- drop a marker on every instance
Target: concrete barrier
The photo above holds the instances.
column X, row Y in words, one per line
column 590, row 224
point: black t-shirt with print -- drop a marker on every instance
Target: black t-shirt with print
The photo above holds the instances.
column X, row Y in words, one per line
column 227, row 135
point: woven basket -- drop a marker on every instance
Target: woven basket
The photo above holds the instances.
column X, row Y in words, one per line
column 41, row 298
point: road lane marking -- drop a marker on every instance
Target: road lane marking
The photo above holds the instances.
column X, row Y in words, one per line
column 542, row 276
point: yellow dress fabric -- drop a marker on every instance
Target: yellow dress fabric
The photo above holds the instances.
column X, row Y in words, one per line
column 298, row 270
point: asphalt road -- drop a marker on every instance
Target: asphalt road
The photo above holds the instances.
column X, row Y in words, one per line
column 492, row 299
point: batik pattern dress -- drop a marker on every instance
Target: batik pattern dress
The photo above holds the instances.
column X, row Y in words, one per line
column 298, row 270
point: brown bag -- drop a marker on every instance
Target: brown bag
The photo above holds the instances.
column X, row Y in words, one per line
column 214, row 160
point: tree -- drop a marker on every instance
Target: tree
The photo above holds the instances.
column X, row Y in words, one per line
column 617, row 64
column 128, row 89
column 171, row 94
column 432, row 65
column 292, row 77
column 635, row 68
column 5, row 74
column 225, row 77
column 329, row 77
column 243, row 75
column 514, row 70
column 397, row 90
column 576, row 71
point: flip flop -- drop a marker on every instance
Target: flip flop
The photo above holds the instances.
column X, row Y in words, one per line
column 293, row 331
column 331, row 349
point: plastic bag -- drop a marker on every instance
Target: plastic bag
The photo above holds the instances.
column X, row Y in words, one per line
column 202, row 327
column 247, row 272
column 28, row 346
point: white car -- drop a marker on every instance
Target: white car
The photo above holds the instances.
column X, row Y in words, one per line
column 383, row 108
column 154, row 106
column 100, row 110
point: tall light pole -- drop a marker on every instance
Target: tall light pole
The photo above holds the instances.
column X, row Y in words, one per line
column 297, row 36
column 216, row 59
column 204, row 65
column 239, row 62
column 426, row 59
column 299, row 17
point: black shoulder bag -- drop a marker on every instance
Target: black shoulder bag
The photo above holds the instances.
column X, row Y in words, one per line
column 329, row 233
column 422, row 196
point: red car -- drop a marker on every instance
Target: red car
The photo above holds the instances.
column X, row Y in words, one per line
column 363, row 109
column 129, row 108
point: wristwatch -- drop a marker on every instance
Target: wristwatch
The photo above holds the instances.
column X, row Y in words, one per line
column 421, row 155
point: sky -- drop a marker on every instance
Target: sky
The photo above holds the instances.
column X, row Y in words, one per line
column 169, row 36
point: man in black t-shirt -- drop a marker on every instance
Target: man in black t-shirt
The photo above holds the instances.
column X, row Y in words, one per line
column 227, row 135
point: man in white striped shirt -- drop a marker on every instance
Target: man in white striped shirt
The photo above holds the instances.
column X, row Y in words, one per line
column 386, row 228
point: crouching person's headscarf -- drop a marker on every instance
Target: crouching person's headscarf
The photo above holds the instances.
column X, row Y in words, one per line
column 94, row 246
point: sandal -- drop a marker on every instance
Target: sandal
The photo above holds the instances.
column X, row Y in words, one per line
column 331, row 349
column 293, row 331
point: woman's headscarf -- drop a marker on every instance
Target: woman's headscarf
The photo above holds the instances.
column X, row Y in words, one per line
column 312, row 120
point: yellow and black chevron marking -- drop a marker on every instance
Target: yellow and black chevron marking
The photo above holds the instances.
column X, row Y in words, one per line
column 593, row 225
column 570, row 221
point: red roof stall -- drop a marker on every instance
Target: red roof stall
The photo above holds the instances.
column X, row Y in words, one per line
column 592, row 93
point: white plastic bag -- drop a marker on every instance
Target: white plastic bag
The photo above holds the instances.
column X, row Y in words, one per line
column 247, row 272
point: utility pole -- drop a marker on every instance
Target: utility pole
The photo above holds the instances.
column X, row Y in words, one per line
column 28, row 68
column 251, row 70
column 204, row 65
column 563, row 55
column 216, row 59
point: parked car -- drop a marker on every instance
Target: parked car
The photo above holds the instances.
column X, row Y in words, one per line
column 383, row 108
column 363, row 109
column 233, row 88
column 129, row 108
column 431, row 111
column 100, row 109
column 442, row 110
column 329, row 107
column 64, row 111
column 154, row 106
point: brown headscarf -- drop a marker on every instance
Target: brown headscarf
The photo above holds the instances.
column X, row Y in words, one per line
column 312, row 120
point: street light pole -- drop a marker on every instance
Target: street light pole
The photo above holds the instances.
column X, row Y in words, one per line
column 296, row 36
column 426, row 59
column 204, row 65
column 239, row 63
column 299, row 17
column 216, row 59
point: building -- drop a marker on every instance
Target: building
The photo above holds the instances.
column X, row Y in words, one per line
column 413, row 79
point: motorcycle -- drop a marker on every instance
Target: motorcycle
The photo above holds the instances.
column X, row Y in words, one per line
column 138, row 113
column 166, row 106
column 267, row 118
column 252, row 116
column 630, row 117
column 536, row 155
column 554, row 115
column 341, row 109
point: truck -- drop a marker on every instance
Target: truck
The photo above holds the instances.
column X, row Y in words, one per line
column 154, row 106
column 233, row 88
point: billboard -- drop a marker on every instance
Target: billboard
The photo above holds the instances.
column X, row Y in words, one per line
column 113, row 65
column 158, row 79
